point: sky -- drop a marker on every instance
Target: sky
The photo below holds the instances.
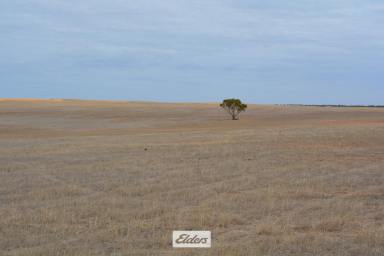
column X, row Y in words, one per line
column 296, row 51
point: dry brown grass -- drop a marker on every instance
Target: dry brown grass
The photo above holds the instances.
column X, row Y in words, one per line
column 75, row 179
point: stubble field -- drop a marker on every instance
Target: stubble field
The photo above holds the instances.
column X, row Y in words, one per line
column 116, row 178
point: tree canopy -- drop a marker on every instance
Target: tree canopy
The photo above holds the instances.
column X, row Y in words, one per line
column 234, row 107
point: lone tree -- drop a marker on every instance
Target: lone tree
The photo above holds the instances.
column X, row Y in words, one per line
column 234, row 107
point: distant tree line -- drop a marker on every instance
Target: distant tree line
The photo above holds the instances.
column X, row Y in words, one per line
column 335, row 106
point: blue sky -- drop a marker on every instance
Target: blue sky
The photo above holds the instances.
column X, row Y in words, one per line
column 297, row 51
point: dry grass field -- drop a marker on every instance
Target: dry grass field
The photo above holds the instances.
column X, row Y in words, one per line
column 116, row 178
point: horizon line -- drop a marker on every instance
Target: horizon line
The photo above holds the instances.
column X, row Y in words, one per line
column 11, row 99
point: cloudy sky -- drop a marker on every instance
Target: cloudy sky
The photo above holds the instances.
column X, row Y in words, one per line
column 262, row 51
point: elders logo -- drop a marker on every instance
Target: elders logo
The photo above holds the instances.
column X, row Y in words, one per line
column 191, row 239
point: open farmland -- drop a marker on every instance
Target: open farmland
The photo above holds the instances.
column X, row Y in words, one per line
column 116, row 178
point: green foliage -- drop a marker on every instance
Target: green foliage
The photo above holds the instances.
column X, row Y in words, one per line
column 234, row 107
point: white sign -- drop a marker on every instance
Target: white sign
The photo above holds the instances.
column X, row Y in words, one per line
column 191, row 239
